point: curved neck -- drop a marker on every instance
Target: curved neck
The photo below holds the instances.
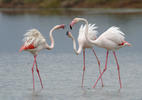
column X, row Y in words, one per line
column 86, row 32
column 74, row 46
column 86, row 22
column 51, row 46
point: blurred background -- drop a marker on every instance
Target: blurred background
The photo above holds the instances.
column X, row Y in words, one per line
column 70, row 3
column 60, row 68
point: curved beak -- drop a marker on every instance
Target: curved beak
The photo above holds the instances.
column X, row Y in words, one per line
column 71, row 24
column 67, row 33
column 22, row 48
column 62, row 26
column 71, row 27
column 128, row 44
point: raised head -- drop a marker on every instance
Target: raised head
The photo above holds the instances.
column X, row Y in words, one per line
column 74, row 21
column 127, row 44
column 59, row 26
column 69, row 34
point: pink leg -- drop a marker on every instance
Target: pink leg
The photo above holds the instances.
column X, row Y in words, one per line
column 99, row 65
column 33, row 75
column 38, row 73
column 117, row 68
column 83, row 67
column 103, row 70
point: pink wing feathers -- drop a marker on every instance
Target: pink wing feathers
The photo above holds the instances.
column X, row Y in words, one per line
column 32, row 39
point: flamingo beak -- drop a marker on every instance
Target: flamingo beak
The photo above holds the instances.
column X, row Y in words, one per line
column 67, row 33
column 22, row 48
column 72, row 23
column 129, row 44
column 62, row 26
column 70, row 27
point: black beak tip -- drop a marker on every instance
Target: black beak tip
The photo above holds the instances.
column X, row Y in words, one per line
column 70, row 27
column 67, row 33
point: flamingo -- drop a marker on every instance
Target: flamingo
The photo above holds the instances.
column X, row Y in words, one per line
column 83, row 44
column 112, row 39
column 34, row 42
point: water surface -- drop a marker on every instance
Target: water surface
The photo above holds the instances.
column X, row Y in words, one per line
column 60, row 68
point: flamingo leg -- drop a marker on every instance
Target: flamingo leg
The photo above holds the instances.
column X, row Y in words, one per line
column 38, row 73
column 83, row 67
column 117, row 68
column 98, row 64
column 33, row 75
column 103, row 70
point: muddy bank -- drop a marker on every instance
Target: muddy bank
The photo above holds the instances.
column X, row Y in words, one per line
column 70, row 4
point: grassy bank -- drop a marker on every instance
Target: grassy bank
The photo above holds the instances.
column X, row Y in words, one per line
column 70, row 3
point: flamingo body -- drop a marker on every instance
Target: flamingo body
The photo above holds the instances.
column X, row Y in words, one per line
column 84, row 43
column 111, row 39
column 35, row 42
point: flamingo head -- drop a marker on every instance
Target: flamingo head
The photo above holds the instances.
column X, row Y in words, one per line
column 22, row 48
column 74, row 21
column 60, row 26
column 69, row 34
column 127, row 44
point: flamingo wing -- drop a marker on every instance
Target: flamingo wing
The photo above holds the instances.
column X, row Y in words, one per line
column 91, row 31
column 114, row 34
column 32, row 39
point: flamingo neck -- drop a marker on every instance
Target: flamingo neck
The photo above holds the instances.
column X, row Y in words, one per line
column 74, row 47
column 51, row 46
column 86, row 29
column 86, row 33
column 86, row 22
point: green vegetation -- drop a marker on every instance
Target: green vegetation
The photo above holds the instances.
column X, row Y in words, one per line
column 71, row 3
column 50, row 4
column 6, row 1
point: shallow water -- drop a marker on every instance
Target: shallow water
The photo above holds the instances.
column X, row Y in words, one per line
column 60, row 68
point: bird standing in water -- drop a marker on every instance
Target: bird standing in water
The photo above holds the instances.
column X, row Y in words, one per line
column 83, row 44
column 112, row 39
column 34, row 42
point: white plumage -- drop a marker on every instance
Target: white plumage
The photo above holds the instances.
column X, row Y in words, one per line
column 34, row 42
column 33, row 36
column 91, row 31
column 114, row 34
column 111, row 38
column 83, row 43
column 91, row 35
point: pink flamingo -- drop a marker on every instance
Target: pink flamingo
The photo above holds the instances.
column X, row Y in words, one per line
column 111, row 39
column 83, row 44
column 34, row 42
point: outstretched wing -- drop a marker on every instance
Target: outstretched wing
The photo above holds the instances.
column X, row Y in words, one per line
column 114, row 34
column 91, row 31
column 34, row 37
